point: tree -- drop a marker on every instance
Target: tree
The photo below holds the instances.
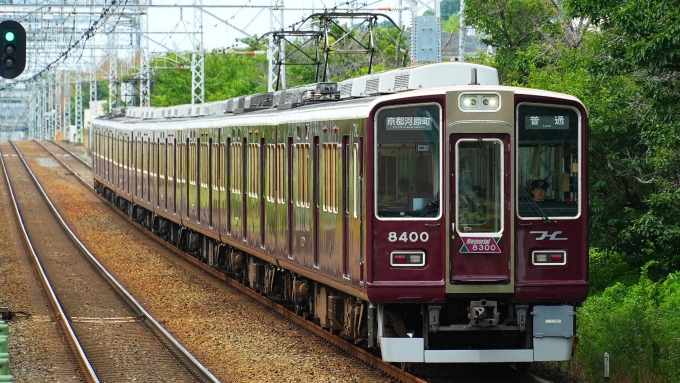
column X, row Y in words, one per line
column 626, row 72
column 226, row 76
column 448, row 8
column 639, row 40
column 526, row 33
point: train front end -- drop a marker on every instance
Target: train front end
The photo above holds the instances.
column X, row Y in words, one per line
column 478, row 225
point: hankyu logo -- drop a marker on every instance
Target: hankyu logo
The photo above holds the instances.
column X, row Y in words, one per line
column 550, row 236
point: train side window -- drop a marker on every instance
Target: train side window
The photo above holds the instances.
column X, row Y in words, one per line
column 253, row 168
column 329, row 154
column 222, row 168
column 281, row 179
column 301, row 177
column 236, row 167
column 271, row 180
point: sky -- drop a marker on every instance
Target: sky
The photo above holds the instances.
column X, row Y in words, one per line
column 176, row 22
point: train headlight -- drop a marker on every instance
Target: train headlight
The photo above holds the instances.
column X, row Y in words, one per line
column 549, row 258
column 479, row 102
column 407, row 258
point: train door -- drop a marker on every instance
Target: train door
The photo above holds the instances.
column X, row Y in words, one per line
column 140, row 168
column 159, row 192
column 123, row 163
column 289, row 198
column 219, row 191
column 345, row 204
column 280, row 233
column 149, row 168
column 194, row 180
column 188, row 173
column 143, row 168
column 134, row 166
column 270, row 203
column 315, row 198
column 356, row 234
column 480, row 248
column 172, row 175
column 108, row 159
column 119, row 162
column 181, row 193
column 244, row 195
column 262, row 184
column 205, row 184
column 228, row 182
column 237, row 187
column 164, row 165
column 215, row 179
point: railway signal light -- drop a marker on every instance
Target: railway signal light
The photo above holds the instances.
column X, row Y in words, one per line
column 13, row 44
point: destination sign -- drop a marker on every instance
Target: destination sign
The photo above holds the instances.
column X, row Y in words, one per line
column 546, row 122
column 408, row 123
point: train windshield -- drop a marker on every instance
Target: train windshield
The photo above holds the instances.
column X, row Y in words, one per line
column 408, row 158
column 548, row 161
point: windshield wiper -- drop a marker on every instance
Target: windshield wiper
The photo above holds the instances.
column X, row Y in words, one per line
column 534, row 204
column 526, row 195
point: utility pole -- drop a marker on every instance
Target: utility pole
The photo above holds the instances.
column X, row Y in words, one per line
column 113, row 72
column 276, row 49
column 143, row 52
column 198, row 57
column 79, row 108
column 461, row 35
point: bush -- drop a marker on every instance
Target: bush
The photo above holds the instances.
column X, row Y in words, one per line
column 639, row 326
column 607, row 268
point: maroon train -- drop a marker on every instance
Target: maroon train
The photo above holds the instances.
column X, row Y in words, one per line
column 394, row 209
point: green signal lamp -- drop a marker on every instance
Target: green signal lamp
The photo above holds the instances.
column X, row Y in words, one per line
column 12, row 49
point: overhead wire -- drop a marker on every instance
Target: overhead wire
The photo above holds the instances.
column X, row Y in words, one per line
column 104, row 15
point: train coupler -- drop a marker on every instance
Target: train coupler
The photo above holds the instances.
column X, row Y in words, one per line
column 483, row 313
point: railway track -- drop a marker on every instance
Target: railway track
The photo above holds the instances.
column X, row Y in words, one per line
column 110, row 335
column 427, row 373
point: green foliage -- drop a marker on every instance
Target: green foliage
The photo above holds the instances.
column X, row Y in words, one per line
column 640, row 33
column 638, row 326
column 608, row 268
column 626, row 73
column 638, row 40
column 254, row 43
column 226, row 76
column 452, row 24
column 509, row 24
column 447, row 8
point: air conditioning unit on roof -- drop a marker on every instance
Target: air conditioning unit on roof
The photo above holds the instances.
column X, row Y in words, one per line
column 260, row 100
column 450, row 74
column 394, row 81
column 419, row 77
column 184, row 111
column 228, row 106
column 346, row 88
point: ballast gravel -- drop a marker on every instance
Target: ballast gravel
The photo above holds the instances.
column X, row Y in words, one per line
column 235, row 338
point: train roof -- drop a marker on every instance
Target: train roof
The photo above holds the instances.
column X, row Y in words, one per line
column 322, row 100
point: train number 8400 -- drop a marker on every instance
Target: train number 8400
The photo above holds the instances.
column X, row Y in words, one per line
column 406, row 237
